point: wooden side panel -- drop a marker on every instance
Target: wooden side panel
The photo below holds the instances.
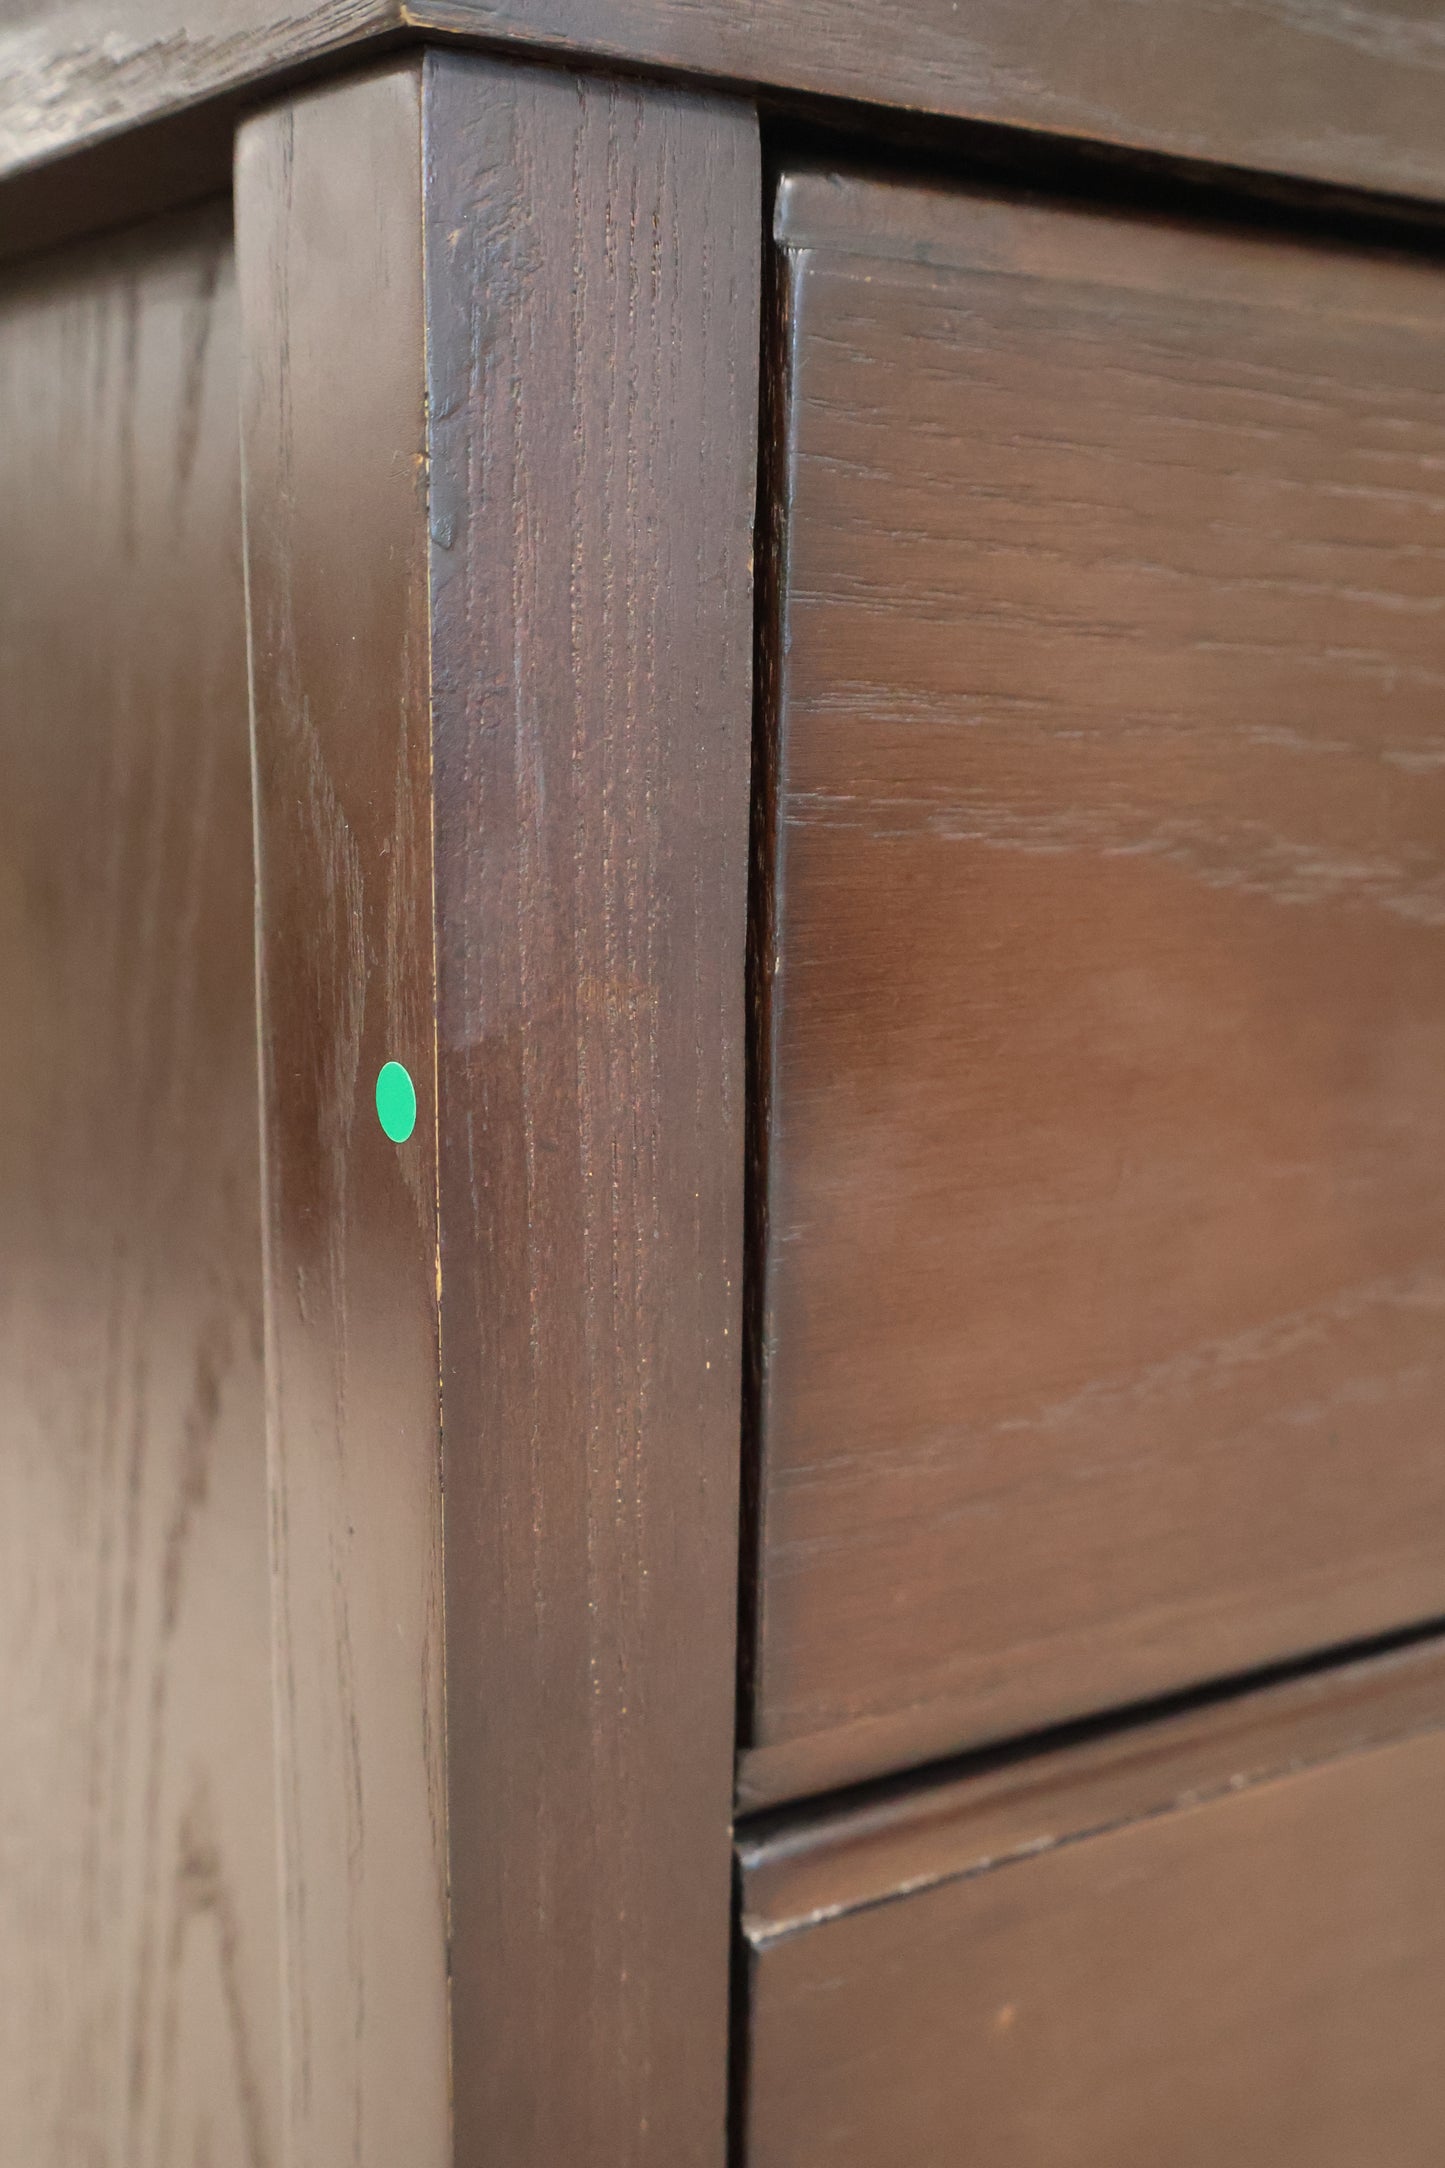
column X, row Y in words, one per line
column 593, row 255
column 1258, row 1979
column 138, row 1948
column 1106, row 1264
column 329, row 242
column 1337, row 90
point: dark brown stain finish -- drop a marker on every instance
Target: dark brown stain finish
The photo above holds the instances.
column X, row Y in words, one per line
column 328, row 201
column 503, row 720
column 593, row 253
column 915, row 1831
column 1106, row 1257
column 139, row 2023
column 1344, row 91
column 1181, row 1947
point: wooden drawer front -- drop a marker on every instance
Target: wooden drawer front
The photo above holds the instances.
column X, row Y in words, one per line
column 1105, row 1042
column 1144, row 1953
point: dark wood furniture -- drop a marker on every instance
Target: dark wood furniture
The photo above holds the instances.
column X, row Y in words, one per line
column 1105, row 1140
column 1213, row 1939
column 503, row 838
column 831, row 627
column 140, row 1983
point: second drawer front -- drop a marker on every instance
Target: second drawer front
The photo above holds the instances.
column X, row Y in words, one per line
column 1105, row 1266
column 1178, row 1950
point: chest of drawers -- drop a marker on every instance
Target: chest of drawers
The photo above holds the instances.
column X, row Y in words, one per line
column 722, row 1235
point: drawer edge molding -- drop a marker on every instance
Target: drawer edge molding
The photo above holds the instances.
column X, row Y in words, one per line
column 901, row 1838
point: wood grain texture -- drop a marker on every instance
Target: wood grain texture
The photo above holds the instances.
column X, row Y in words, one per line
column 593, row 273
column 139, row 2024
column 1106, row 1209
column 1252, row 1970
column 802, row 1865
column 1344, row 91
column 566, row 711
column 328, row 197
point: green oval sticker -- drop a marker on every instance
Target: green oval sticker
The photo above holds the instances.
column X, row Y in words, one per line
column 395, row 1102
